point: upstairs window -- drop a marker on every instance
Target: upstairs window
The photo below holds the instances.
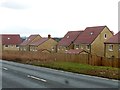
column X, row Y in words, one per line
column 88, row 47
column 81, row 47
column 52, row 48
column 6, row 45
column 77, row 46
column 111, row 48
column 17, row 45
column 105, row 36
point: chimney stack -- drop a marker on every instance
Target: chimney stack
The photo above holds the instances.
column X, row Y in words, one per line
column 49, row 36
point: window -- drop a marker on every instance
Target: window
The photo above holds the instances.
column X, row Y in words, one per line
column 24, row 49
column 119, row 47
column 111, row 48
column 105, row 36
column 52, row 48
column 6, row 45
column 81, row 47
column 88, row 47
column 58, row 48
column 66, row 50
column 77, row 46
column 17, row 46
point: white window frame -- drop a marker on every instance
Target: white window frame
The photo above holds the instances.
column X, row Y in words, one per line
column 88, row 47
column 6, row 46
column 110, row 47
column 77, row 46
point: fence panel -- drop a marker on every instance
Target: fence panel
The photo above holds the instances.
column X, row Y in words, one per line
column 79, row 58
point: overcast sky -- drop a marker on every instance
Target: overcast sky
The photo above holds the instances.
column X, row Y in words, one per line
column 56, row 17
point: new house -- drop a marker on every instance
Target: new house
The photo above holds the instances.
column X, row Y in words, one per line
column 112, row 46
column 92, row 39
column 10, row 41
column 44, row 45
column 24, row 46
column 66, row 43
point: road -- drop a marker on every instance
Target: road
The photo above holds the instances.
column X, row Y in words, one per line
column 16, row 75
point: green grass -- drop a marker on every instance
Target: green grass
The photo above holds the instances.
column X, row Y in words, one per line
column 107, row 72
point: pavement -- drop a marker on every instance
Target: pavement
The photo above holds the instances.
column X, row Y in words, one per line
column 16, row 75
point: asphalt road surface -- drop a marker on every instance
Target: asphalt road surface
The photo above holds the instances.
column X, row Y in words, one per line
column 16, row 75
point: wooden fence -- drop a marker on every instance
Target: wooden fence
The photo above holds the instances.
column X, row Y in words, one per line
column 79, row 58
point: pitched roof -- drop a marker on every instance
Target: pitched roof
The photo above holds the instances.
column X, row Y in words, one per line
column 114, row 39
column 11, row 39
column 75, row 51
column 89, row 35
column 69, row 38
column 29, row 39
column 38, row 42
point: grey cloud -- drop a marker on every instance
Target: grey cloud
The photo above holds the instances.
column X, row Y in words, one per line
column 14, row 5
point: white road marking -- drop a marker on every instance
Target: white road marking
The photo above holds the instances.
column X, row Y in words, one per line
column 5, row 68
column 40, row 79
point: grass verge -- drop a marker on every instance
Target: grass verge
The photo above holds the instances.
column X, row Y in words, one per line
column 101, row 71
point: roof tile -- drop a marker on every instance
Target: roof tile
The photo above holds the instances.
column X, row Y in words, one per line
column 11, row 39
column 89, row 35
column 69, row 38
column 29, row 39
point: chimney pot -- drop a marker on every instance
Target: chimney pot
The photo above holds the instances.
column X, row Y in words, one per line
column 49, row 36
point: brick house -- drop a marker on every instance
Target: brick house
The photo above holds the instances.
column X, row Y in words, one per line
column 92, row 39
column 66, row 43
column 24, row 46
column 10, row 41
column 44, row 45
column 112, row 46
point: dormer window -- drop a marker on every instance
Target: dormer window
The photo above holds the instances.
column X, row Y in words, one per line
column 105, row 36
column 68, row 36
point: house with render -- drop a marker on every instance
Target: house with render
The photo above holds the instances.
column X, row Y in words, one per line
column 67, row 42
column 44, row 45
column 112, row 46
column 24, row 46
column 10, row 42
column 92, row 39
